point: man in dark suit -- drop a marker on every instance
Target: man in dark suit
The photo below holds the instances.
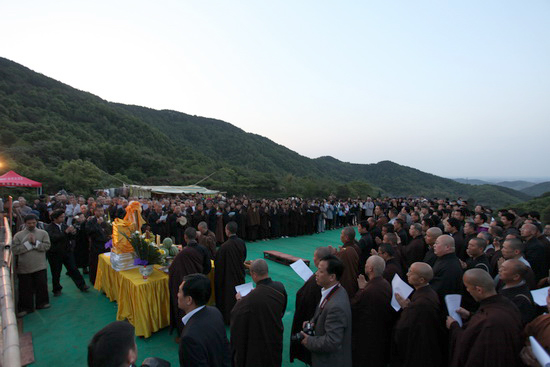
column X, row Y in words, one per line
column 203, row 340
column 331, row 344
column 61, row 254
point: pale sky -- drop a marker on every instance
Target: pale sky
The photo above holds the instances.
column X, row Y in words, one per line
column 457, row 89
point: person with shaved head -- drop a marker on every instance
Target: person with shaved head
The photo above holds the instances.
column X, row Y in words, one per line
column 476, row 254
column 420, row 335
column 493, row 335
column 373, row 317
column 307, row 299
column 535, row 251
column 349, row 254
column 229, row 265
column 431, row 236
column 257, row 321
column 415, row 250
column 512, row 274
column 447, row 269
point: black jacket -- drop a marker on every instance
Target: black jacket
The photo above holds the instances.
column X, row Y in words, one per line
column 203, row 340
column 58, row 238
column 447, row 275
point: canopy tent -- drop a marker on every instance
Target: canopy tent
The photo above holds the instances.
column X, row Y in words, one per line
column 13, row 179
column 146, row 191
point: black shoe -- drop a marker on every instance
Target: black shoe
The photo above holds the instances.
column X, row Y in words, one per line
column 44, row 306
column 85, row 271
column 84, row 288
column 56, row 293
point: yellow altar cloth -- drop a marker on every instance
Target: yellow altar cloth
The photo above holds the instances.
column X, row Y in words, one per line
column 145, row 303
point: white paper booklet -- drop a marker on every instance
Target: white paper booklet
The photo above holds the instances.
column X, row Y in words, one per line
column 400, row 287
column 302, row 269
column 244, row 289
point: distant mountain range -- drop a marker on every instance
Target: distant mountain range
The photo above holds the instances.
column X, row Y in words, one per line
column 529, row 188
column 71, row 139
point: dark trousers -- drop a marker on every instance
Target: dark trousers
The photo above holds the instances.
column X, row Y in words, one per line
column 252, row 232
column 33, row 287
column 57, row 260
column 94, row 257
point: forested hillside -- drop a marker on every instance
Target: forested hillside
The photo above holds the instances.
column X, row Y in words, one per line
column 71, row 139
column 538, row 189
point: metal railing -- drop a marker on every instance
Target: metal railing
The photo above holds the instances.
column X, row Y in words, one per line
column 10, row 332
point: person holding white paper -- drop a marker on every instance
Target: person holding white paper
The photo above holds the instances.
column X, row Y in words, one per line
column 257, row 321
column 419, row 335
column 493, row 335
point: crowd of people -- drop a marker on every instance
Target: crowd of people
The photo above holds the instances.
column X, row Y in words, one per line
column 343, row 313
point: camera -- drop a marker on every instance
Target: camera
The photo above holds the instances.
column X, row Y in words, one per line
column 308, row 329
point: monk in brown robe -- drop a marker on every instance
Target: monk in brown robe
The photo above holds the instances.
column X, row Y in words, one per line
column 493, row 335
column 387, row 252
column 420, row 338
column 349, row 254
column 415, row 250
column 257, row 321
column 307, row 300
column 373, row 317
column 539, row 328
column 194, row 258
column 207, row 238
column 229, row 265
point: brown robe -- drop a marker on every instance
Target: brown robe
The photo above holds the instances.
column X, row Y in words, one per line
column 194, row 258
column 350, row 257
column 307, row 300
column 373, row 319
column 414, row 251
column 539, row 328
column 229, row 272
column 209, row 242
column 220, row 235
column 257, row 326
column 420, row 337
column 491, row 338
column 392, row 267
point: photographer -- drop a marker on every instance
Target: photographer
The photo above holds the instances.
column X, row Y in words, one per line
column 331, row 344
column 61, row 252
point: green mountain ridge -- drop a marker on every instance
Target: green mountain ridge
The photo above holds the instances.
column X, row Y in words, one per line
column 538, row 189
column 516, row 185
column 70, row 139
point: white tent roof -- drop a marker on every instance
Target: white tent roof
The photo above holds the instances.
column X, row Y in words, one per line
column 191, row 189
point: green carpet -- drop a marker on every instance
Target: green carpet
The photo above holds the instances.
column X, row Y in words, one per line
column 61, row 333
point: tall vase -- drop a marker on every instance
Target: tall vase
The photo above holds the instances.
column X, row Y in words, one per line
column 146, row 271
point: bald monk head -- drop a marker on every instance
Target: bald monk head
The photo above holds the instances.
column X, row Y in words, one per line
column 444, row 245
column 259, row 270
column 512, row 272
column 432, row 234
column 319, row 253
column 420, row 274
column 528, row 231
column 479, row 284
column 374, row 267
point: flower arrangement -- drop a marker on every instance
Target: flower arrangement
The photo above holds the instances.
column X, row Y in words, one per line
column 146, row 252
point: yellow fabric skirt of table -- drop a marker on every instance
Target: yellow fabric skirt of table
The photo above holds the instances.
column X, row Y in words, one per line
column 145, row 303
